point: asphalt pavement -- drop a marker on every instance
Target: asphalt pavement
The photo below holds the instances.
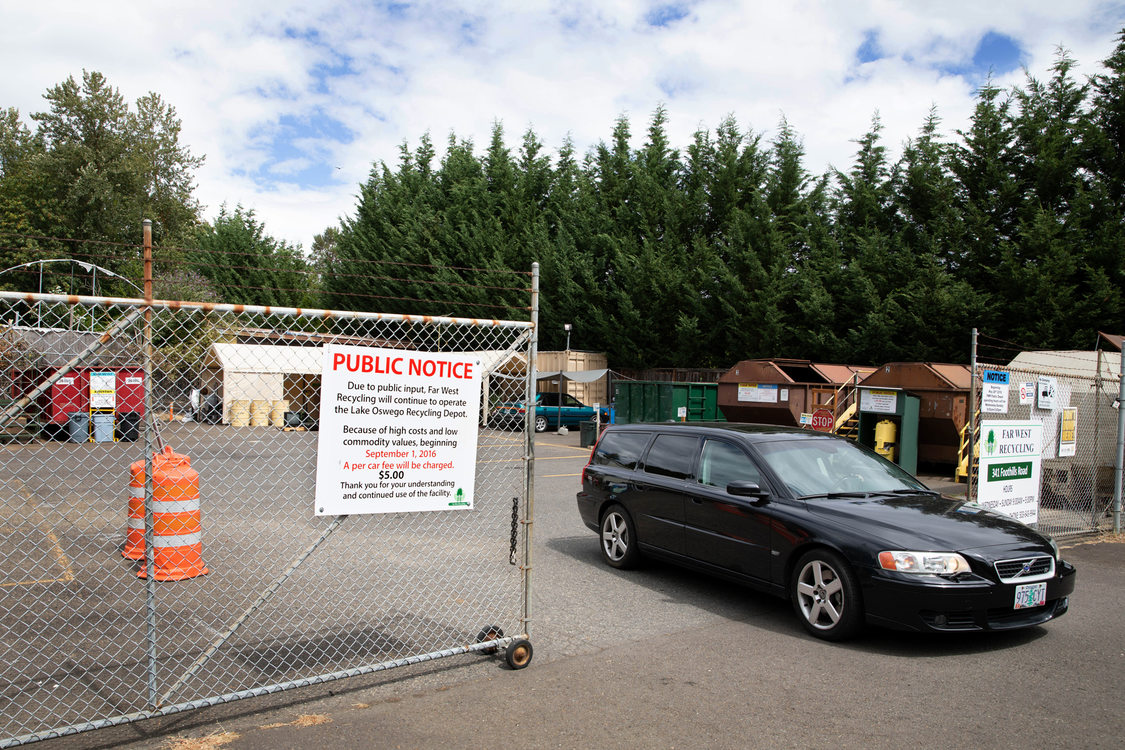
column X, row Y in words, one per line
column 665, row 658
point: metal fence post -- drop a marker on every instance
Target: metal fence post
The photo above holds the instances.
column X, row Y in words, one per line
column 970, row 484
column 1120, row 464
column 150, row 568
column 529, row 437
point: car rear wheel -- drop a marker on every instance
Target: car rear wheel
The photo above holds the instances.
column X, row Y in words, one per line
column 826, row 596
column 618, row 541
column 540, row 424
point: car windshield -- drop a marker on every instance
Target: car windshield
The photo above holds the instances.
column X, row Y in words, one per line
column 812, row 468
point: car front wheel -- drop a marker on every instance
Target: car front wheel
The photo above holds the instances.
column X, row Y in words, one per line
column 618, row 541
column 826, row 596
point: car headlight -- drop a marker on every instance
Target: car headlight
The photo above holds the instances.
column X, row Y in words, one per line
column 1054, row 549
column 931, row 563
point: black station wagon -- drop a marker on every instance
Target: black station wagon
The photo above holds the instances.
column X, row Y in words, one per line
column 846, row 535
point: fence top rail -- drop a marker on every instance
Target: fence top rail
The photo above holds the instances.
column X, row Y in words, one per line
column 293, row 312
column 1061, row 374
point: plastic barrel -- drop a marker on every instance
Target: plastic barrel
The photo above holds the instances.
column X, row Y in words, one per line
column 78, row 426
column 128, row 426
column 259, row 413
column 277, row 413
column 239, row 413
column 103, row 428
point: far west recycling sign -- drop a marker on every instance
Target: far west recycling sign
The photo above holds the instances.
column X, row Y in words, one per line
column 1010, row 454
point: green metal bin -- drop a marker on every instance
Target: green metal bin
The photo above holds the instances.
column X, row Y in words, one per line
column 659, row 401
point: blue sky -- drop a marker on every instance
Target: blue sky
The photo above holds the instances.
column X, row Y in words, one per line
column 292, row 103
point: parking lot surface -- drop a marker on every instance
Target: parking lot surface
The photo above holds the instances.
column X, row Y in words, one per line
column 662, row 657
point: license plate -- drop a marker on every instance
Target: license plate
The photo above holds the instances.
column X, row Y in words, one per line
column 1031, row 595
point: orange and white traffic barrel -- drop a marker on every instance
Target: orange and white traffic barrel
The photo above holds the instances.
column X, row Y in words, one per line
column 135, row 533
column 177, row 541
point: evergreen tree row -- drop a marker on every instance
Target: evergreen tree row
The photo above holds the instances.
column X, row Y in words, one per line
column 731, row 249
column 725, row 249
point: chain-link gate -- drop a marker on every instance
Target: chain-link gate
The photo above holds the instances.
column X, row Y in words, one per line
column 274, row 597
column 1076, row 494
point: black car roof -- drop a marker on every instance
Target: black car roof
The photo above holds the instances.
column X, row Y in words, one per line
column 754, row 433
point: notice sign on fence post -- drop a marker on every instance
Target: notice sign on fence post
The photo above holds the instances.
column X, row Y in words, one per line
column 398, row 431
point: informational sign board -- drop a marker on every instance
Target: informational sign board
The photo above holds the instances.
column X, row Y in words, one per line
column 806, row 418
column 103, row 390
column 1010, row 457
column 398, row 431
column 1068, row 432
column 757, row 393
column 1048, row 391
column 1027, row 394
column 994, row 392
column 878, row 402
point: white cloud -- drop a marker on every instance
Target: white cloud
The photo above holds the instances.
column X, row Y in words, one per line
column 244, row 75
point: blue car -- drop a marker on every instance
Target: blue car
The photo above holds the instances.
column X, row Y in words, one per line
column 549, row 413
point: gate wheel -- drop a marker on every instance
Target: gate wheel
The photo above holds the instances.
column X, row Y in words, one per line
column 519, row 653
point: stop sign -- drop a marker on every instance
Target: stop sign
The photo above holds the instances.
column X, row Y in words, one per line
column 822, row 420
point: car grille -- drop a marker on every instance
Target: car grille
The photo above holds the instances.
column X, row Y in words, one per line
column 1025, row 569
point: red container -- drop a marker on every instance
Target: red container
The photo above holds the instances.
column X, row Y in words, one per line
column 131, row 390
column 71, row 392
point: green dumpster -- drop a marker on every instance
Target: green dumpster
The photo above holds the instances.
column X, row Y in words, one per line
column 659, row 401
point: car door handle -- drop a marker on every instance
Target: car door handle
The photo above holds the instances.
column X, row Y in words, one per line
column 697, row 500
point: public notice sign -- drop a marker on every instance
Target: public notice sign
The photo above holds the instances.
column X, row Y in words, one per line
column 1010, row 455
column 398, row 431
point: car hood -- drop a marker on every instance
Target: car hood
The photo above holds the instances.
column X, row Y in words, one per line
column 927, row 522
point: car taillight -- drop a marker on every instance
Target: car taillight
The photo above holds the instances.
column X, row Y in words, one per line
column 590, row 460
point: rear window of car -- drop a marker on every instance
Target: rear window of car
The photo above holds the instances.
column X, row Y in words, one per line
column 672, row 456
column 621, row 449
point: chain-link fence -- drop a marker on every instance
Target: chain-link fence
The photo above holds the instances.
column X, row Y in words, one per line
column 254, row 592
column 1079, row 437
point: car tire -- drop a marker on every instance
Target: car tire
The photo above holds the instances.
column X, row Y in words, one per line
column 826, row 596
column 540, row 424
column 618, row 541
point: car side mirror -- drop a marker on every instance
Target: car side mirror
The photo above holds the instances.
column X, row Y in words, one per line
column 744, row 488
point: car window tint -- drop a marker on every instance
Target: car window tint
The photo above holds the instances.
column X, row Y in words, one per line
column 722, row 463
column 571, row 401
column 548, row 399
column 672, row 455
column 621, row 449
